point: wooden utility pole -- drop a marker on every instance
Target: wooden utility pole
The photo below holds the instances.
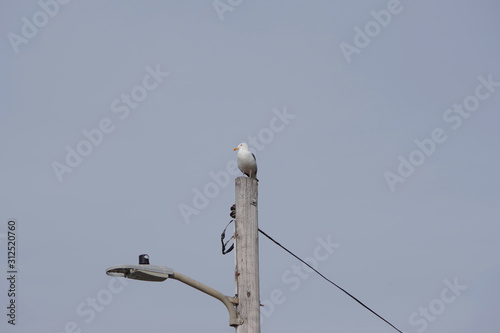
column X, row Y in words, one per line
column 247, row 255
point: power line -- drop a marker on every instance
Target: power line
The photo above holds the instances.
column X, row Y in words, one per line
column 324, row 277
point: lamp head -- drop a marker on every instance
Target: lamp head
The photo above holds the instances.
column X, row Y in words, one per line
column 144, row 271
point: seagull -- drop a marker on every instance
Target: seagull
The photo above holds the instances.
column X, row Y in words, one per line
column 246, row 161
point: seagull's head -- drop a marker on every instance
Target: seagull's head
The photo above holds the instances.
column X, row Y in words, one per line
column 242, row 146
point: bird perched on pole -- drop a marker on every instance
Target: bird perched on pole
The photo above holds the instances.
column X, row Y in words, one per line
column 246, row 161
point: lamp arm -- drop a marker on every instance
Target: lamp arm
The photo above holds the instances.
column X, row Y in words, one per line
column 233, row 317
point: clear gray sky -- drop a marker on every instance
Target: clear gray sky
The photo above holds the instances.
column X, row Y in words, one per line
column 374, row 123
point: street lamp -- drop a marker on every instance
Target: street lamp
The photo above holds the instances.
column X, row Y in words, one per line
column 146, row 272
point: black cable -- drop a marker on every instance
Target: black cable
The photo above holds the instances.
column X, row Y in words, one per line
column 224, row 244
column 324, row 277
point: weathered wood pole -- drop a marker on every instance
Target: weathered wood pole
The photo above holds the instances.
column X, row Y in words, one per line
column 247, row 255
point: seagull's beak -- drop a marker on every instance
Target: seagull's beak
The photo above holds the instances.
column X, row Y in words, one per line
column 236, row 148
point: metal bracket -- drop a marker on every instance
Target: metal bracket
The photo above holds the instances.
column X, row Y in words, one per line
column 236, row 320
column 233, row 300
